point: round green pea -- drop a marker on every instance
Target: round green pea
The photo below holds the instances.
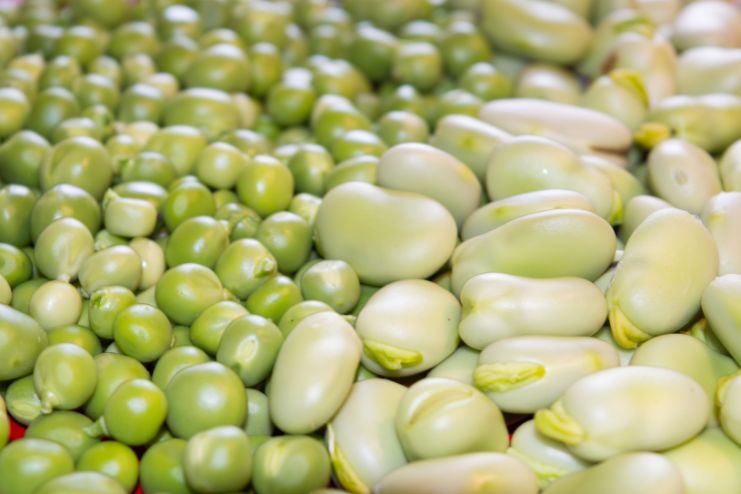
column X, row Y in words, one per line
column 221, row 66
column 127, row 216
column 96, row 89
column 186, row 290
column 15, row 266
column 288, row 237
column 175, row 360
column 265, row 185
column 65, row 428
column 132, row 37
column 274, row 297
column 290, row 465
column 118, row 265
column 81, row 483
column 298, row 313
column 219, row 165
column 65, row 201
column 14, row 109
column 218, row 460
column 161, row 468
column 187, row 200
column 200, row 239
column 149, row 166
column 142, row 332
column 28, row 463
column 357, row 142
column 105, row 304
column 245, row 265
column 204, row 396
column 80, row 42
column 208, row 328
column 181, row 144
column 249, row 346
column 113, row 459
column 358, row 169
column 141, row 102
column 64, row 377
column 418, row 63
column 55, row 303
column 266, row 68
column 258, row 414
column 21, row 156
column 397, row 127
column 486, row 82
column 62, row 248
column 306, row 206
column 23, row 292
column 22, row 402
column 333, row 282
column 113, row 369
column 51, row 107
column 80, row 161
column 310, row 165
column 290, row 104
column 77, row 335
column 209, row 110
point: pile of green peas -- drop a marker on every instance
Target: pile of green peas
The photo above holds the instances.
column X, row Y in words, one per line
column 370, row 246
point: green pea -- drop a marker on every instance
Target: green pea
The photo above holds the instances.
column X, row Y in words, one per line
column 76, row 127
column 306, row 206
column 486, row 81
column 298, row 313
column 262, row 21
column 372, row 51
column 397, row 127
column 21, row 156
column 82, row 483
column 22, row 402
column 207, row 330
column 136, row 68
column 62, row 249
column 209, row 110
column 107, row 67
column 265, row 185
column 28, row 463
column 181, row 144
column 62, row 201
column 266, row 68
column 55, row 303
column 6, row 294
column 221, row 66
column 142, row 332
column 290, row 465
column 336, row 120
column 15, row 266
column 417, row 63
column 310, row 165
column 258, row 414
column 105, row 304
column 118, row 265
column 139, row 402
column 184, row 291
column 141, row 102
column 358, row 169
column 185, row 201
column 218, row 460
column 176, row 55
column 113, row 459
column 249, row 346
column 357, row 142
column 75, row 334
column 273, row 298
column 61, row 72
column 463, row 46
column 161, row 468
column 65, row 428
column 14, row 109
column 219, row 165
column 128, row 217
column 204, row 396
column 80, row 161
column 288, row 237
column 248, row 141
column 113, row 369
column 133, row 37
column 22, row 293
column 200, row 240
column 332, row 282
column 173, row 361
column 64, row 377
column 22, row 338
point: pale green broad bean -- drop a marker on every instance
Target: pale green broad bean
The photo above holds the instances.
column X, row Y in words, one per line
column 498, row 212
column 313, row 373
column 720, row 307
column 683, row 174
column 637, row 473
column 361, row 456
column 710, row 69
column 421, row 168
column 709, row 23
column 626, row 409
column 468, row 139
column 407, row 327
column 527, row 163
column 721, row 216
column 522, row 375
column 620, row 94
column 472, row 473
column 496, row 306
column 636, row 211
column 548, row 82
column 730, row 167
column 708, row 463
column 668, row 261
column 549, row 459
column 729, row 404
column 624, row 183
column 384, row 235
column 459, row 366
column 548, row 244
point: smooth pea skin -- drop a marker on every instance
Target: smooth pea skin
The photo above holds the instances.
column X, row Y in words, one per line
column 203, row 396
column 127, row 216
column 683, row 174
column 459, row 366
column 23, row 404
column 720, row 307
column 258, row 414
column 153, row 261
column 28, row 463
column 708, row 463
column 76, row 334
column 290, row 465
column 62, row 248
column 429, row 171
column 407, row 327
column 4, row 424
column 82, row 483
column 65, row 428
column 499, row 212
column 650, row 294
column 207, row 330
column 245, row 265
column 361, row 456
column 112, row 370
column 728, row 400
column 524, row 374
column 55, row 303
column 333, row 282
column 105, row 304
column 80, row 161
column 362, row 224
column 64, row 377
column 636, row 211
column 186, row 290
column 439, row 417
column 218, row 460
column 161, row 468
column 549, row 459
column 498, row 306
column 297, row 313
column 639, row 473
column 472, row 473
column 720, row 213
column 313, row 373
column 626, row 409
column 16, row 203
column 288, row 237
column 548, row 244
column 175, row 360
column 265, row 185
column 249, row 346
column 114, row 459
column 274, row 297
column 142, row 332
column 118, row 265
column 200, row 240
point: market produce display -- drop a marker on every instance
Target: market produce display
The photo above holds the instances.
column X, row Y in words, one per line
column 370, row 246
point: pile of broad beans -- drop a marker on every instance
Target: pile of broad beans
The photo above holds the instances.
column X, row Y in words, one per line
column 310, row 246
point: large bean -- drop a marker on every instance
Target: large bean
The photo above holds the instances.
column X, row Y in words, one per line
column 548, row 244
column 708, row 23
column 626, row 409
column 473, row 473
column 667, row 263
column 710, row 462
column 407, row 327
column 722, row 217
column 730, row 167
column 498, row 306
column 524, row 374
column 709, row 69
column 384, row 235
column 549, row 459
column 421, row 168
column 544, row 31
column 497, row 213
column 620, row 94
column 720, row 307
column 652, row 57
column 468, row 139
column 637, row 473
column 458, row 367
column 313, row 373
column 527, row 163
column 361, row 456
column 683, row 174
column 583, row 130
column 729, row 404
column 637, row 210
